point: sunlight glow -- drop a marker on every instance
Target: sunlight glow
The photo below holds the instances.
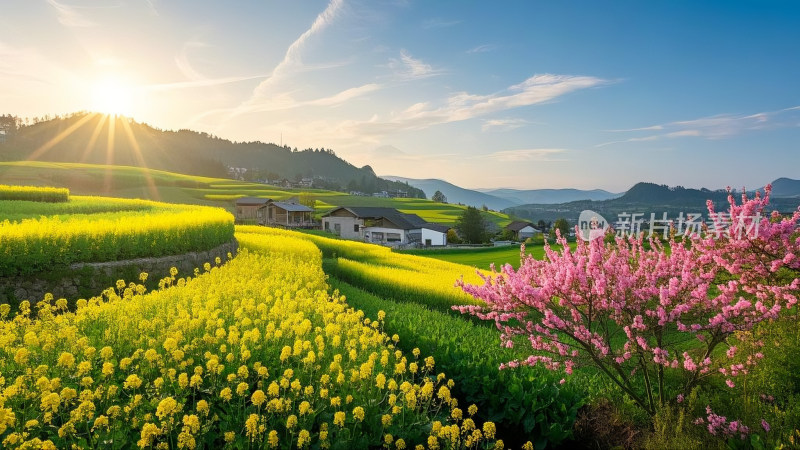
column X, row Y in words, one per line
column 112, row 97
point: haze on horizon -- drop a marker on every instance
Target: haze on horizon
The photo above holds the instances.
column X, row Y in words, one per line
column 523, row 95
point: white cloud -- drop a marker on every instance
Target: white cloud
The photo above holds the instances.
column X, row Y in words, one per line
column 528, row 154
column 69, row 15
column 482, row 49
column 410, row 68
column 722, row 126
column 292, row 59
column 439, row 23
column 503, row 124
column 463, row 105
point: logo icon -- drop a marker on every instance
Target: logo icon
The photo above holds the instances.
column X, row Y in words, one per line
column 591, row 225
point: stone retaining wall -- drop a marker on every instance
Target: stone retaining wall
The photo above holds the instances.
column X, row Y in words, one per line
column 83, row 280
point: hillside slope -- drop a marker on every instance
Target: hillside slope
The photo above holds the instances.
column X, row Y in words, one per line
column 100, row 139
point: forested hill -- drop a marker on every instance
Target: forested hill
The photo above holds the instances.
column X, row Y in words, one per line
column 98, row 139
column 661, row 194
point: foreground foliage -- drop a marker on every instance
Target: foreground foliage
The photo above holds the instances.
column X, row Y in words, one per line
column 660, row 324
column 254, row 354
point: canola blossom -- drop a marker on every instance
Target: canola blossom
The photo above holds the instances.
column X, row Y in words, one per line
column 378, row 270
column 252, row 354
column 34, row 193
column 38, row 244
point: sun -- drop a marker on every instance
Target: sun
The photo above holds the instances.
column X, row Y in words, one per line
column 113, row 97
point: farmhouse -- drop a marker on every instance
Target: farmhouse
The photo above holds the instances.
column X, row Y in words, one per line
column 247, row 208
column 286, row 214
column 386, row 226
column 522, row 230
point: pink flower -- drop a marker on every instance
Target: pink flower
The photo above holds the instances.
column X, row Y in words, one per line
column 680, row 398
column 765, row 425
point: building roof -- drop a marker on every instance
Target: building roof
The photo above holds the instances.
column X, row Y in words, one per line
column 292, row 207
column 252, row 201
column 518, row 225
column 436, row 227
column 365, row 212
column 402, row 220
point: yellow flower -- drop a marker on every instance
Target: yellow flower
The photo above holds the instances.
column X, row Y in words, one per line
column 303, row 438
column 489, row 430
column 338, row 418
column 203, row 407
column 358, row 413
column 251, row 425
column 229, row 436
column 66, row 360
column 149, row 432
column 49, row 402
column 226, row 394
column 192, row 423
column 132, row 382
column 242, row 388
column 291, row 421
column 166, row 407
column 258, row 397
column 272, row 439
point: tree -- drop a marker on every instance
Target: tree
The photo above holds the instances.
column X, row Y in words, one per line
column 562, row 225
column 541, row 225
column 656, row 323
column 452, row 237
column 471, row 226
column 439, row 197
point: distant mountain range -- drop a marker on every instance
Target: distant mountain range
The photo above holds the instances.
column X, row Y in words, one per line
column 499, row 199
column 647, row 198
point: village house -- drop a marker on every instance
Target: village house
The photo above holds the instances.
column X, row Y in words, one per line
column 385, row 226
column 247, row 208
column 286, row 214
column 522, row 230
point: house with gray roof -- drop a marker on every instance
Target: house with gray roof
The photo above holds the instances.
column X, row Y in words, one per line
column 287, row 215
column 385, row 226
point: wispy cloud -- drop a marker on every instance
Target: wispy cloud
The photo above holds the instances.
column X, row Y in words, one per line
column 528, row 154
column 410, row 68
column 482, row 48
column 439, row 23
column 722, row 126
column 503, row 124
column 69, row 16
column 463, row 105
column 292, row 60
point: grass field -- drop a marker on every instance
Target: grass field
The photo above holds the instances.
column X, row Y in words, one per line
column 482, row 258
column 135, row 182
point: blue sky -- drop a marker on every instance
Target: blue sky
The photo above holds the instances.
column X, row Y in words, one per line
column 482, row 94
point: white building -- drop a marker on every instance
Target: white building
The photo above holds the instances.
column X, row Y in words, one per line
column 385, row 226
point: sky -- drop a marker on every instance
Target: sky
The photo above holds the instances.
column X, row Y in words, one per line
column 515, row 94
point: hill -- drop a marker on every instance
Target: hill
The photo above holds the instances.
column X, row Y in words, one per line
column 642, row 198
column 101, row 139
column 454, row 194
column 786, row 187
column 549, row 196
column 136, row 182
column 499, row 199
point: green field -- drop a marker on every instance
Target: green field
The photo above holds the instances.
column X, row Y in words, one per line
column 482, row 258
column 150, row 184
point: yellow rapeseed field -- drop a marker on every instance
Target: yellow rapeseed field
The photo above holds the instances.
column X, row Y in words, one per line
column 252, row 354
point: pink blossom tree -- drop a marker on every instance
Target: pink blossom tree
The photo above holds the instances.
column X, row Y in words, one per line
column 637, row 311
